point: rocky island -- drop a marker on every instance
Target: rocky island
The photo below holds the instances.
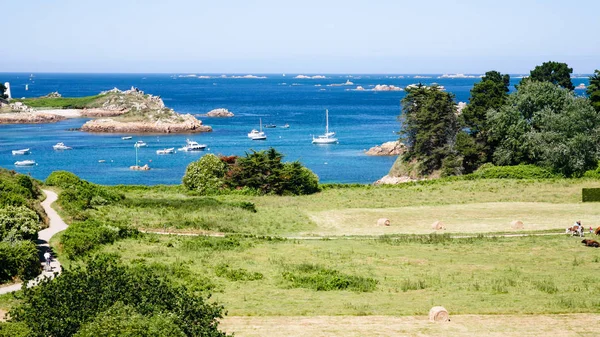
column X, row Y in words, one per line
column 393, row 148
column 128, row 111
column 220, row 112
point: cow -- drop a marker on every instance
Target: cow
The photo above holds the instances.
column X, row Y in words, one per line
column 590, row 243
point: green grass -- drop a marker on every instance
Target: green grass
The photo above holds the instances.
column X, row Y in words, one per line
column 60, row 102
column 519, row 275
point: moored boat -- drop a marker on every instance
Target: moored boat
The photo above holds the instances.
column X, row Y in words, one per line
column 256, row 134
column 328, row 137
column 166, row 151
column 140, row 143
column 61, row 146
column 192, row 146
column 20, row 152
column 126, row 137
column 25, row 163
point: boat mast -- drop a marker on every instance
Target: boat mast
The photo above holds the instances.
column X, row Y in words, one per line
column 260, row 119
column 326, row 121
column 136, row 155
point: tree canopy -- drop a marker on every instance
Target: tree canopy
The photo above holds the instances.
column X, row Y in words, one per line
column 429, row 126
column 546, row 125
column 593, row 90
column 554, row 72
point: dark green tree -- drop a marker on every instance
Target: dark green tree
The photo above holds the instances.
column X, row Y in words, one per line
column 593, row 90
column 429, row 126
column 554, row 72
column 546, row 125
column 490, row 93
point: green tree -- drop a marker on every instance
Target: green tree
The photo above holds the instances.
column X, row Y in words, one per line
column 64, row 305
column 429, row 126
column 593, row 90
column 546, row 125
column 206, row 175
column 554, row 72
column 18, row 223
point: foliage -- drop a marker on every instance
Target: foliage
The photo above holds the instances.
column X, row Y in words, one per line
column 429, row 126
column 80, row 296
column 18, row 259
column 489, row 171
column 63, row 179
column 17, row 189
column 236, row 274
column 546, row 125
column 124, row 321
column 18, row 223
column 554, row 72
column 590, row 194
column 264, row 171
column 593, row 90
column 319, row 278
column 205, row 176
column 83, row 237
column 14, row 330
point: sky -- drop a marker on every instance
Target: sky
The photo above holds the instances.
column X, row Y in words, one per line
column 289, row 36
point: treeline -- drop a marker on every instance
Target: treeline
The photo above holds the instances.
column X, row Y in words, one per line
column 542, row 123
column 21, row 217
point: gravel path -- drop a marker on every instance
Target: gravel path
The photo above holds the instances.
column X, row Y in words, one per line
column 56, row 225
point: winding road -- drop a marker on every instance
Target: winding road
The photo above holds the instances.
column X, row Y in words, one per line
column 56, row 225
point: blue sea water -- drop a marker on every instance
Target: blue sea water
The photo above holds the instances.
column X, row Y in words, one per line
column 361, row 120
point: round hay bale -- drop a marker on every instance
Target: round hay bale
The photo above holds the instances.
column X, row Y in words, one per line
column 439, row 314
column 438, row 225
column 517, row 224
column 383, row 222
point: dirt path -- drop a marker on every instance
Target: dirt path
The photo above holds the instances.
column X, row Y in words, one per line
column 368, row 326
column 56, row 225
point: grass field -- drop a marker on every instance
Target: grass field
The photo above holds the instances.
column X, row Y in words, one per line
column 60, row 102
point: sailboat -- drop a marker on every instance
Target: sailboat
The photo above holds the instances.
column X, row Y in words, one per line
column 329, row 136
column 257, row 135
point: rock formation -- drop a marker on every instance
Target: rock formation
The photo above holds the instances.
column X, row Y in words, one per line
column 385, row 87
column 389, row 180
column 29, row 118
column 175, row 124
column 394, row 148
column 221, row 112
column 53, row 95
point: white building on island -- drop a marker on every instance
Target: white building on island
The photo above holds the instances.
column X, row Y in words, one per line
column 7, row 92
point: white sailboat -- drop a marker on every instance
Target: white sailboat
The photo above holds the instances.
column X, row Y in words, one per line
column 329, row 136
column 257, row 135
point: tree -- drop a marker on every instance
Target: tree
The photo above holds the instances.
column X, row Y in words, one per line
column 554, row 72
column 593, row 90
column 18, row 223
column 429, row 126
column 546, row 125
column 490, row 93
column 206, row 175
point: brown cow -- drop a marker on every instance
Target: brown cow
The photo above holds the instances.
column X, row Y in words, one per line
column 591, row 243
column 597, row 231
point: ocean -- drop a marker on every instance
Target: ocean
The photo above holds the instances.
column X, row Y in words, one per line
column 361, row 119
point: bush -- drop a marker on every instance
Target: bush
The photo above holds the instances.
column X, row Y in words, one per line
column 18, row 223
column 206, row 175
column 63, row 179
column 18, row 259
column 488, row 171
column 14, row 330
column 87, row 295
column 590, row 194
column 318, row 278
column 83, row 237
column 233, row 274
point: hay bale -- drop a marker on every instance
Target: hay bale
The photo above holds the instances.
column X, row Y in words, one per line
column 517, row 224
column 383, row 222
column 438, row 225
column 439, row 314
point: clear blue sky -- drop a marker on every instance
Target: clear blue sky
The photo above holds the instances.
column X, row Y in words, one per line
column 306, row 36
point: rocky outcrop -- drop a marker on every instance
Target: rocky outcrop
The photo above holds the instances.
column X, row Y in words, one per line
column 460, row 106
column 20, row 107
column 29, row 118
column 387, row 149
column 53, row 95
column 221, row 112
column 389, row 180
column 98, row 112
column 385, row 87
column 181, row 124
column 133, row 99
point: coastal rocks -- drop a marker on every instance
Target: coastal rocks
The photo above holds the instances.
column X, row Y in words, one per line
column 132, row 99
column 389, row 180
column 304, row 77
column 221, row 112
column 98, row 112
column 182, row 124
column 581, row 86
column 29, row 118
column 385, row 87
column 460, row 106
column 53, row 95
column 20, row 107
column 393, row 148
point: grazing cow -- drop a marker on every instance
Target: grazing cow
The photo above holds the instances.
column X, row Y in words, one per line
column 590, row 243
column 575, row 230
column 597, row 231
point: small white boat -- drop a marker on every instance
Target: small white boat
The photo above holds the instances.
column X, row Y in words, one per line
column 286, row 126
column 20, row 152
column 126, row 137
column 140, row 143
column 258, row 135
column 61, row 146
column 166, row 151
column 328, row 137
column 192, row 146
column 25, row 163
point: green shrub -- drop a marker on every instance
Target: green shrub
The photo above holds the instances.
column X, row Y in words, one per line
column 14, row 330
column 205, row 176
column 83, row 237
column 590, row 194
column 63, row 179
column 316, row 277
column 513, row 172
column 86, row 295
column 18, row 223
column 18, row 259
column 239, row 274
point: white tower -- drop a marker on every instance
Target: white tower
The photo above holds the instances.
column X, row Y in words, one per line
column 7, row 92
